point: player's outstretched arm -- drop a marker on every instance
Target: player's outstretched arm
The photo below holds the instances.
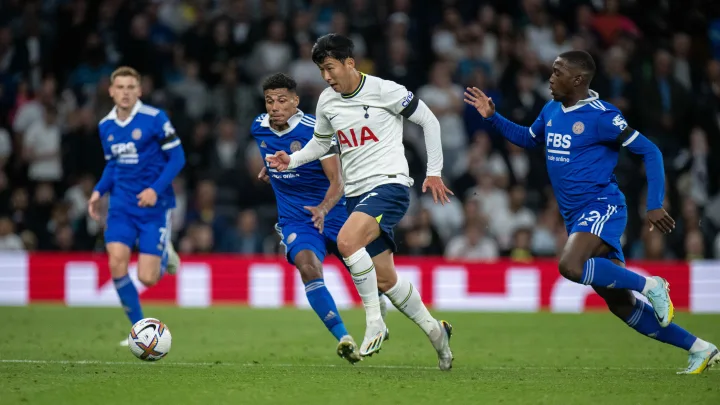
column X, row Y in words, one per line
column 613, row 125
column 521, row 136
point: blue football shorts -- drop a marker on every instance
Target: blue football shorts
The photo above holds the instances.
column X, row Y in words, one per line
column 605, row 221
column 149, row 232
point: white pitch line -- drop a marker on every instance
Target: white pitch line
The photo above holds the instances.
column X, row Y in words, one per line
column 372, row 366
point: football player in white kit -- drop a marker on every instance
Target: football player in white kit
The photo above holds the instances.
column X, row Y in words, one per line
column 366, row 114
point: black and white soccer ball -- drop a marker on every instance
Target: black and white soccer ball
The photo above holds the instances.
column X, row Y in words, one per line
column 149, row 339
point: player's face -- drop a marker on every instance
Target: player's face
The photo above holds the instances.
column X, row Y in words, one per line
column 281, row 104
column 125, row 91
column 338, row 74
column 561, row 80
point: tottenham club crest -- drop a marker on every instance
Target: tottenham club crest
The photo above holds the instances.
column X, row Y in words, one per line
column 136, row 134
column 578, row 128
column 295, row 146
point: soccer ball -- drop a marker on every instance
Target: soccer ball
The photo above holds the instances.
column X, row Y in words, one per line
column 149, row 339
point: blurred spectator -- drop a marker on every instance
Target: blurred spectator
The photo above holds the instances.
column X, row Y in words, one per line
column 504, row 223
column 422, row 239
column 521, row 246
column 191, row 89
column 41, row 145
column 445, row 100
column 203, row 61
column 473, row 244
column 8, row 239
column 245, row 238
column 270, row 55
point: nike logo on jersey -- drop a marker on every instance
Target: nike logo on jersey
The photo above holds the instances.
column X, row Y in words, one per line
column 333, row 117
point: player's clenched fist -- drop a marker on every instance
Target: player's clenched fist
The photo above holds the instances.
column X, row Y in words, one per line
column 279, row 161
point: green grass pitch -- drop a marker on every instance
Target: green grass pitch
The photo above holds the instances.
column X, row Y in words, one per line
column 232, row 355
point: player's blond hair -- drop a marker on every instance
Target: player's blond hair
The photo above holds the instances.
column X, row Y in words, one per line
column 124, row 71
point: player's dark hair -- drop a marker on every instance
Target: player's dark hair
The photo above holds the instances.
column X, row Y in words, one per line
column 279, row 81
column 332, row 46
column 582, row 60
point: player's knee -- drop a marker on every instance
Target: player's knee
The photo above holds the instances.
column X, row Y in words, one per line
column 118, row 266
column 309, row 272
column 148, row 279
column 347, row 246
column 571, row 268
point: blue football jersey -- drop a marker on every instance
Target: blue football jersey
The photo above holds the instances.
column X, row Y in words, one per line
column 581, row 147
column 136, row 147
column 300, row 187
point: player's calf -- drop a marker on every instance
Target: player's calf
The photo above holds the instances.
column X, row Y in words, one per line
column 119, row 258
column 318, row 295
column 149, row 270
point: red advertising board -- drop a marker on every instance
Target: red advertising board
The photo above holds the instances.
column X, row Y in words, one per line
column 84, row 280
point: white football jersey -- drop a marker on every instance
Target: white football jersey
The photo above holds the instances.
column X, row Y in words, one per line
column 369, row 130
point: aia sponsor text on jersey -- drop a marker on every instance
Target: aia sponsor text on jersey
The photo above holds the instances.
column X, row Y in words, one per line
column 355, row 138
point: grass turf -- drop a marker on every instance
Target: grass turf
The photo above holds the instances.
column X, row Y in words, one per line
column 59, row 355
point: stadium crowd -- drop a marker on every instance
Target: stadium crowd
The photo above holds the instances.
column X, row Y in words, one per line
column 203, row 61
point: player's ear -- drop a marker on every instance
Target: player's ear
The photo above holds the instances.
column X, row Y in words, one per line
column 350, row 62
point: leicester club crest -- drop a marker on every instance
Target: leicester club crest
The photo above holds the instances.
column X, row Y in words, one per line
column 295, row 146
column 111, row 138
column 578, row 128
column 136, row 134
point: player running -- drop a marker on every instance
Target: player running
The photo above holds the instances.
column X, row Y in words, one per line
column 143, row 157
column 366, row 114
column 310, row 200
column 582, row 136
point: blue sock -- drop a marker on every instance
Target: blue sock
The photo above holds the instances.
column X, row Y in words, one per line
column 643, row 320
column 601, row 272
column 129, row 298
column 324, row 306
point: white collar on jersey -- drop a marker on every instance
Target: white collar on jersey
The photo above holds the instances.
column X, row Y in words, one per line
column 594, row 96
column 113, row 114
column 292, row 123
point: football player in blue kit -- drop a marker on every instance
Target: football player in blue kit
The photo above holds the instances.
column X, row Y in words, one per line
column 310, row 201
column 582, row 136
column 143, row 156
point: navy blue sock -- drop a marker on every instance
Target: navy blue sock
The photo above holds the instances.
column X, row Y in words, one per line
column 129, row 298
column 324, row 306
column 601, row 272
column 643, row 320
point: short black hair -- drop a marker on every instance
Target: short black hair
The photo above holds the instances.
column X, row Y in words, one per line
column 334, row 46
column 583, row 60
column 279, row 81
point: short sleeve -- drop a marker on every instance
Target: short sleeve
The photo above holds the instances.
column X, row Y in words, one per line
column 323, row 128
column 397, row 99
column 612, row 127
column 334, row 149
column 165, row 132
